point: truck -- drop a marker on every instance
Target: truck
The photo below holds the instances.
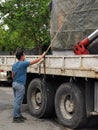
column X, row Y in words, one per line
column 65, row 83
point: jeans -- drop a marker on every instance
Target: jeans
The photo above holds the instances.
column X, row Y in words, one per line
column 19, row 91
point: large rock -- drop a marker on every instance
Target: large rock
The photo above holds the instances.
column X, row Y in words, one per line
column 74, row 20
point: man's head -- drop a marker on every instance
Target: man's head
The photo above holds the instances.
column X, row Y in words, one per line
column 20, row 55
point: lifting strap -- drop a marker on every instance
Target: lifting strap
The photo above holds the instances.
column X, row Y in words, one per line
column 52, row 41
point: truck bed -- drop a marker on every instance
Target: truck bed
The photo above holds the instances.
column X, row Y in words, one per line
column 74, row 65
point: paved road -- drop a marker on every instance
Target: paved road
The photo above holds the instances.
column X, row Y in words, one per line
column 6, row 108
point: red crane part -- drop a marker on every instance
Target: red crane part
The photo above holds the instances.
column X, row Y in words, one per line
column 81, row 47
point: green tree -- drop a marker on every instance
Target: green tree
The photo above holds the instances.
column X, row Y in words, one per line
column 3, row 38
column 28, row 22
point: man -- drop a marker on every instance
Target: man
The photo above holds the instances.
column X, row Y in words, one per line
column 19, row 70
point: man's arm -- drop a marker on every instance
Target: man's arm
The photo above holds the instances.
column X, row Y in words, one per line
column 12, row 75
column 38, row 59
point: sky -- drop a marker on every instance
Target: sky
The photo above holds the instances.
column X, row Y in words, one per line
column 1, row 20
column 2, row 0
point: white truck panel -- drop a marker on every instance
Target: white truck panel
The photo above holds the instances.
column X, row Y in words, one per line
column 77, row 65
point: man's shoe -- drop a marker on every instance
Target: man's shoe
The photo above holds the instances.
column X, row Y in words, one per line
column 22, row 117
column 17, row 120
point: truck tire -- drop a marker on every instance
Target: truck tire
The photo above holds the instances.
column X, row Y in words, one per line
column 40, row 98
column 70, row 105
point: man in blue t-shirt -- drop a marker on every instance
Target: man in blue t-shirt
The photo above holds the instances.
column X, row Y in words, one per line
column 19, row 72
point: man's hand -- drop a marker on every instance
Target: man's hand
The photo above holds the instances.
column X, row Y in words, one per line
column 44, row 53
column 38, row 59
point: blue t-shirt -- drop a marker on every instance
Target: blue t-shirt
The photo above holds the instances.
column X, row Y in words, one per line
column 20, row 71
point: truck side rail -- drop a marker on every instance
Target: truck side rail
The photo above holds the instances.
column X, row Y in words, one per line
column 75, row 65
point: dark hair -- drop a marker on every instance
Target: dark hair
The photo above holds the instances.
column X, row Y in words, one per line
column 19, row 54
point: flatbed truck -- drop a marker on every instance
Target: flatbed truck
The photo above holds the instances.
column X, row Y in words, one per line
column 65, row 86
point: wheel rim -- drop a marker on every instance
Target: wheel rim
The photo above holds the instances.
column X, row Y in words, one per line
column 67, row 106
column 36, row 98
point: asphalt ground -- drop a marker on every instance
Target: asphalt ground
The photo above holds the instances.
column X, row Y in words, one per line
column 32, row 123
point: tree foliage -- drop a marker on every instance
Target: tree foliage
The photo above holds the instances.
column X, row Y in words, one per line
column 28, row 22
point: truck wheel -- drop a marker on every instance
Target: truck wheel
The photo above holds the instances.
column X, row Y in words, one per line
column 40, row 98
column 70, row 106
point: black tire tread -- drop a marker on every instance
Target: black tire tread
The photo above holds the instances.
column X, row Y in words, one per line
column 80, row 118
column 48, row 109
